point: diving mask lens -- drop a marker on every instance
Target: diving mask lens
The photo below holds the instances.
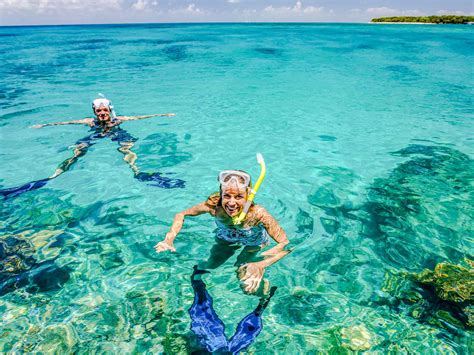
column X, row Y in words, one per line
column 240, row 178
column 100, row 102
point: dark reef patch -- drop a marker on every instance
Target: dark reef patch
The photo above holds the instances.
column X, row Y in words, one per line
column 28, row 263
column 327, row 138
column 425, row 198
column 415, row 218
column 147, row 42
column 365, row 46
column 8, row 95
column 401, row 71
column 269, row 51
column 175, row 53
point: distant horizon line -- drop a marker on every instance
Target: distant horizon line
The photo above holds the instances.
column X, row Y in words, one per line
column 207, row 23
column 188, row 23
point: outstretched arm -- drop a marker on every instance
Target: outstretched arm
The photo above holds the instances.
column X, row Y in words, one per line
column 85, row 121
column 135, row 118
column 277, row 233
column 251, row 274
column 167, row 243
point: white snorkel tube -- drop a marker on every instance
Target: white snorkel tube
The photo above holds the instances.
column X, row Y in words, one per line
column 253, row 191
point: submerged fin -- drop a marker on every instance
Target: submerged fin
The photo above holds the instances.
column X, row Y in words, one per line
column 160, row 181
column 16, row 191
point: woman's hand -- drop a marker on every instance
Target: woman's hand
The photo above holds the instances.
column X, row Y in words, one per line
column 38, row 126
column 250, row 276
column 164, row 245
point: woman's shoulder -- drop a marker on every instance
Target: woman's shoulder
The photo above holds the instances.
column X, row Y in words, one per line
column 256, row 214
column 258, row 209
column 89, row 121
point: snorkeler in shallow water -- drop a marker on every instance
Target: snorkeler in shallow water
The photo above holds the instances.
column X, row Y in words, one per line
column 210, row 330
column 105, row 125
column 239, row 223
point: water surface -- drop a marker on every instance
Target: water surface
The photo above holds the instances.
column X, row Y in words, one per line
column 367, row 134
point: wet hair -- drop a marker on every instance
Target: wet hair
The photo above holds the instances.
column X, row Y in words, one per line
column 214, row 200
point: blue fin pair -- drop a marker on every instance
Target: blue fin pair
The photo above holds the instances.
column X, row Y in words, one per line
column 209, row 329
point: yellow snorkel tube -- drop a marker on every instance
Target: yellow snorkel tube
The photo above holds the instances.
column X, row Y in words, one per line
column 238, row 219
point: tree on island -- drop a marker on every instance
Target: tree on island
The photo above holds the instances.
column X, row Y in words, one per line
column 446, row 19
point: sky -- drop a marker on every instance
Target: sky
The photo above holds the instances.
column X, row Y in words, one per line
column 45, row 12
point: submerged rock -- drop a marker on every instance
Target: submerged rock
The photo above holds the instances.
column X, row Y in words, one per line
column 57, row 338
column 452, row 283
column 28, row 261
column 356, row 338
column 469, row 311
column 444, row 295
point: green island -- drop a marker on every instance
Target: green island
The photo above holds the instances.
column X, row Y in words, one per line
column 445, row 19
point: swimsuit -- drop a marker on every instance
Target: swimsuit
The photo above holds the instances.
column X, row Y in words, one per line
column 116, row 134
column 252, row 236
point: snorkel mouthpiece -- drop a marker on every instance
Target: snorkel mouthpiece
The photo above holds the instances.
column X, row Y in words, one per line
column 238, row 219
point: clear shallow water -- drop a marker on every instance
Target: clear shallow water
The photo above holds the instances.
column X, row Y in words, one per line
column 367, row 134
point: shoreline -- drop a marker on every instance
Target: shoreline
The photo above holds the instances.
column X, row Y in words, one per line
column 403, row 23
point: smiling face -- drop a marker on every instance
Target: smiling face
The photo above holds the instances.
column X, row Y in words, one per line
column 102, row 113
column 233, row 200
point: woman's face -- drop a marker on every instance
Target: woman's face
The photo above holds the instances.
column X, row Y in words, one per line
column 233, row 200
column 102, row 113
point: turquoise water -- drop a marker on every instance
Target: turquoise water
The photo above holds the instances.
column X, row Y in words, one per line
column 367, row 134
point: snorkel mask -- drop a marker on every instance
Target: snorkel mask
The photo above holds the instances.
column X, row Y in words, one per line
column 103, row 102
column 238, row 178
column 242, row 180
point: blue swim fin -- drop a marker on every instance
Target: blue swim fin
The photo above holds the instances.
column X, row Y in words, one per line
column 205, row 323
column 249, row 327
column 16, row 191
column 160, row 181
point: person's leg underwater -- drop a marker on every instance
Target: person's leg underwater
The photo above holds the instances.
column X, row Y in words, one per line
column 129, row 156
column 126, row 142
column 220, row 252
column 80, row 149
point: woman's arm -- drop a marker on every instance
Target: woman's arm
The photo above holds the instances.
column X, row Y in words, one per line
column 252, row 273
column 135, row 118
column 167, row 243
column 277, row 233
column 86, row 121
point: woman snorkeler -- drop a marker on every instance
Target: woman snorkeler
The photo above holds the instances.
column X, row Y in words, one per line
column 239, row 223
